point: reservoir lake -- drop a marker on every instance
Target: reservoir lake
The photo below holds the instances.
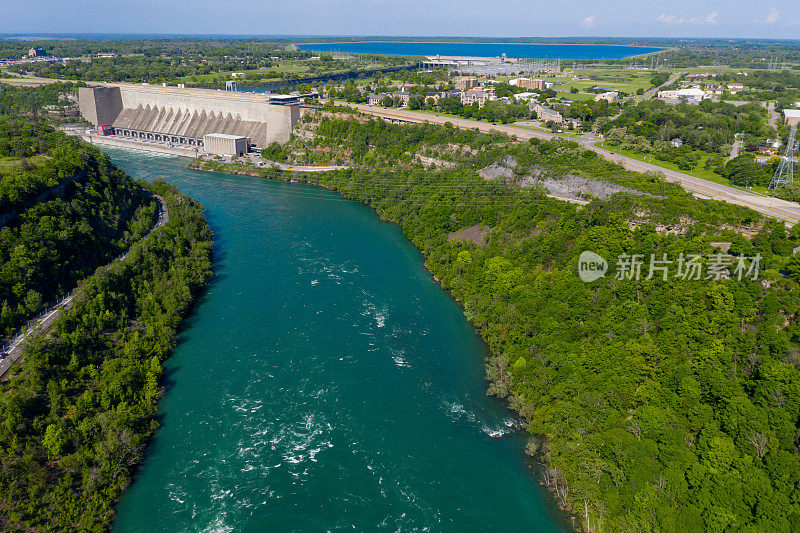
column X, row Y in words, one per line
column 515, row 50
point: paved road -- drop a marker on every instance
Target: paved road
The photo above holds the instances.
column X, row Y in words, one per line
column 652, row 92
column 774, row 207
column 737, row 145
column 773, row 116
column 41, row 324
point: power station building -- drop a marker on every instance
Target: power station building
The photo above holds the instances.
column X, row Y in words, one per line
column 224, row 144
column 183, row 116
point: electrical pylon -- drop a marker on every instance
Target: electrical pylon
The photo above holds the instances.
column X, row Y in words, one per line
column 785, row 171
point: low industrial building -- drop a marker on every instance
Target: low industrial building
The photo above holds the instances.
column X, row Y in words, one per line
column 612, row 97
column 791, row 116
column 692, row 94
column 225, row 144
column 525, row 96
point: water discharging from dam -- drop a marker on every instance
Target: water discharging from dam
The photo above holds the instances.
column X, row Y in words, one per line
column 324, row 382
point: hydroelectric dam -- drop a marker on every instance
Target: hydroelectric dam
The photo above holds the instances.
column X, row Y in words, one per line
column 185, row 118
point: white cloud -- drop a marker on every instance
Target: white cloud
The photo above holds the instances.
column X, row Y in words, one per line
column 588, row 22
column 773, row 16
column 670, row 19
column 711, row 18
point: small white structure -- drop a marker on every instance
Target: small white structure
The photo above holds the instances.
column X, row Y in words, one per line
column 225, row 144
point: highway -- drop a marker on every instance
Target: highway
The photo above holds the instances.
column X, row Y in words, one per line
column 773, row 207
column 13, row 351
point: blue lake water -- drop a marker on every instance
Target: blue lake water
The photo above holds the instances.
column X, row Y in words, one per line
column 530, row 51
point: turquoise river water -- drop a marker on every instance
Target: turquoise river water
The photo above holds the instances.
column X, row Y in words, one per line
column 324, row 382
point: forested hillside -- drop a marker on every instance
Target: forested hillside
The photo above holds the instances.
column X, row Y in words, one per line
column 74, row 418
column 661, row 404
column 64, row 211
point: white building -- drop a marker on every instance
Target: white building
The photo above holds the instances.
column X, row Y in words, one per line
column 691, row 94
column 525, row 96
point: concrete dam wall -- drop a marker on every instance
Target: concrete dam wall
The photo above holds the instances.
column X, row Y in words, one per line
column 184, row 116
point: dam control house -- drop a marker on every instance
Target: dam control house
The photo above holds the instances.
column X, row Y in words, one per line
column 181, row 116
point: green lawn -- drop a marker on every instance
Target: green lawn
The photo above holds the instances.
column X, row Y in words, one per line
column 698, row 172
column 582, row 97
column 622, row 80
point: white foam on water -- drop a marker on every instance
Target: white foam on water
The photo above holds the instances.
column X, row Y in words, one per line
column 398, row 356
column 372, row 311
column 457, row 412
column 218, row 525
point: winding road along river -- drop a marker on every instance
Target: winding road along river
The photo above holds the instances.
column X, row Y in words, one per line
column 324, row 382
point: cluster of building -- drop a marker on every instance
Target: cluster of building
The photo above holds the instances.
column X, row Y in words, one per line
column 467, row 97
column 469, row 90
column 39, row 55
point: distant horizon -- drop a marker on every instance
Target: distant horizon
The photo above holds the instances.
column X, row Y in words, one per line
column 104, row 36
column 621, row 19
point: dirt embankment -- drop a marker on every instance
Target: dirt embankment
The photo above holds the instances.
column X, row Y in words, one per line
column 568, row 187
column 475, row 234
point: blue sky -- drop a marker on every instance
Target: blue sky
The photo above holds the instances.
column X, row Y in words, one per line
column 508, row 18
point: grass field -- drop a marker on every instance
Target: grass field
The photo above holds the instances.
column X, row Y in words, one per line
column 628, row 81
column 582, row 97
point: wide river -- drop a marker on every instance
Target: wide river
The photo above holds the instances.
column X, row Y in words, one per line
column 324, row 382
